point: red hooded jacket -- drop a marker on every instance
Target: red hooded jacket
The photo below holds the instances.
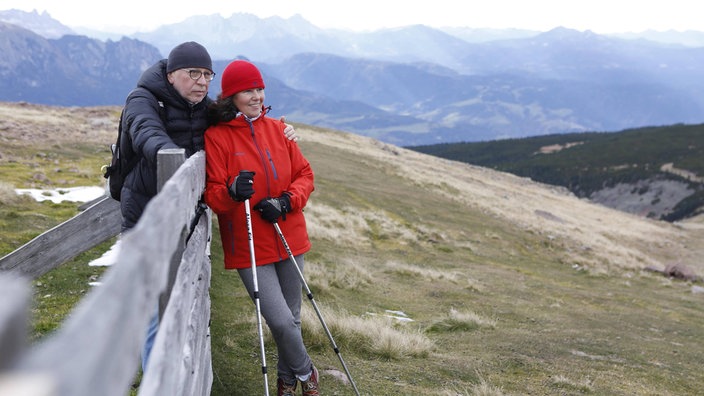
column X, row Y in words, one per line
column 279, row 167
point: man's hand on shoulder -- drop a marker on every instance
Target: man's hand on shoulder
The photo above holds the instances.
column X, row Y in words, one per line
column 290, row 132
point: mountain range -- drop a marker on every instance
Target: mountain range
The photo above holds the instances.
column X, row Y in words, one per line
column 408, row 86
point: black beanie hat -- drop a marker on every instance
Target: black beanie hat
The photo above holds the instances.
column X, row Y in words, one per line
column 188, row 54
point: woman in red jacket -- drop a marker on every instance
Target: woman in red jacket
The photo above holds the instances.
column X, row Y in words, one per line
column 248, row 157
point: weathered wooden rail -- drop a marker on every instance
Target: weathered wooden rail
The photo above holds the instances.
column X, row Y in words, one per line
column 96, row 350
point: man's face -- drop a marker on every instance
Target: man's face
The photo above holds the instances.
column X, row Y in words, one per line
column 192, row 83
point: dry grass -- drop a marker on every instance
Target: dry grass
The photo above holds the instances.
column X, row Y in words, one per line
column 462, row 321
column 26, row 122
column 568, row 386
column 429, row 274
column 352, row 226
column 7, row 194
column 376, row 337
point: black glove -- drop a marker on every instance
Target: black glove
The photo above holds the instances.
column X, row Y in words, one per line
column 273, row 208
column 242, row 188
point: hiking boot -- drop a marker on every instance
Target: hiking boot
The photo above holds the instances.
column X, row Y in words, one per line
column 286, row 389
column 310, row 387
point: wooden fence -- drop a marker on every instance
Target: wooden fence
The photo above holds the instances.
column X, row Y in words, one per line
column 96, row 351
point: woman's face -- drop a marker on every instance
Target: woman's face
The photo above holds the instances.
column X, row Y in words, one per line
column 250, row 102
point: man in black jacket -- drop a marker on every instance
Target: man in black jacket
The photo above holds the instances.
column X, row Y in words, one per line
column 167, row 109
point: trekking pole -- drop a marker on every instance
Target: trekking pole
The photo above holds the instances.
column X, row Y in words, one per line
column 315, row 306
column 255, row 293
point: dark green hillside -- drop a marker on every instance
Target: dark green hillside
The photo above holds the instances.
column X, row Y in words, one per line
column 586, row 163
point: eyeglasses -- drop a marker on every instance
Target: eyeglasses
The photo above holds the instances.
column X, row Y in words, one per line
column 195, row 75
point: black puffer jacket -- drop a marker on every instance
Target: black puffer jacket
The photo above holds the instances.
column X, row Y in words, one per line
column 183, row 126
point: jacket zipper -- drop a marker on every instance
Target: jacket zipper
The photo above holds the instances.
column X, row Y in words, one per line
column 268, row 185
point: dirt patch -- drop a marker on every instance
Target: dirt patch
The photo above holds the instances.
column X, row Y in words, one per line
column 650, row 198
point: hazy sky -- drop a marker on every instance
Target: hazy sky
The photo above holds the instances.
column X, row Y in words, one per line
column 599, row 16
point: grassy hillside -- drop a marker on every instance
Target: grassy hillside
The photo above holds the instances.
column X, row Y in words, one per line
column 587, row 163
column 509, row 287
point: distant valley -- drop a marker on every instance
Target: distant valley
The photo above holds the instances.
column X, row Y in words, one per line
column 651, row 172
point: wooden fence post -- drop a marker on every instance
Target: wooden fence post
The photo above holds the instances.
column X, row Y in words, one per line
column 65, row 241
column 15, row 295
column 168, row 161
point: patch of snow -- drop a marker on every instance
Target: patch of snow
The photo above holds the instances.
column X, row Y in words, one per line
column 76, row 194
column 72, row 194
column 108, row 258
column 396, row 315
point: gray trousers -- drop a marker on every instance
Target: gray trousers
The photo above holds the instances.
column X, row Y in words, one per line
column 280, row 294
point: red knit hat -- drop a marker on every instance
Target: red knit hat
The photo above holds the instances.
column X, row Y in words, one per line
column 238, row 76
